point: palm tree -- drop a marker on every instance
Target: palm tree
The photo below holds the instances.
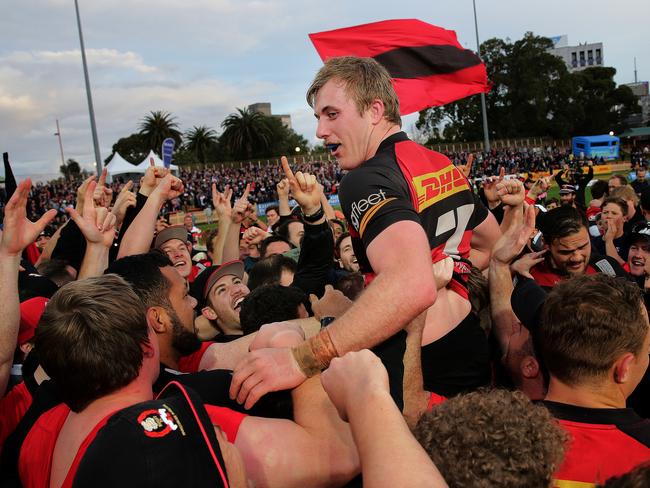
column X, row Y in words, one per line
column 199, row 140
column 156, row 127
column 246, row 133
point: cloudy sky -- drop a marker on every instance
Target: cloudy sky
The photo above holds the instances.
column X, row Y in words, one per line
column 199, row 59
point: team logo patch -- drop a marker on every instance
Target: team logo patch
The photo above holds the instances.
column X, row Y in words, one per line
column 436, row 186
column 157, row 423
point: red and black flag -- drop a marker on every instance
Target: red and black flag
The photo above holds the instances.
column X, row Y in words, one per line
column 428, row 65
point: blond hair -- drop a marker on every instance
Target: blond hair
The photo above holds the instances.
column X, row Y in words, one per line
column 364, row 79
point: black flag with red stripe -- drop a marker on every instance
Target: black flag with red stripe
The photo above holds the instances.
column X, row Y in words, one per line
column 428, row 66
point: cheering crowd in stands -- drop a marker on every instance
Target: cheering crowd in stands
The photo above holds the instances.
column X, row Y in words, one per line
column 440, row 335
column 59, row 194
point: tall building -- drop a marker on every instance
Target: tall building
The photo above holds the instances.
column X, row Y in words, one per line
column 578, row 57
column 265, row 109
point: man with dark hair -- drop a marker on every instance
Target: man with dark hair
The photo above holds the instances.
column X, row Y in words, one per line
column 275, row 269
column 271, row 303
column 594, row 340
column 292, row 231
column 599, row 191
column 107, row 380
column 344, row 252
column 96, row 343
column 272, row 213
column 566, row 238
column 274, row 244
column 568, row 195
column 220, row 290
column 165, row 295
column 640, row 183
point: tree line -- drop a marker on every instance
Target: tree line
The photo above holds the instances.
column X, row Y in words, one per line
column 246, row 135
column 533, row 94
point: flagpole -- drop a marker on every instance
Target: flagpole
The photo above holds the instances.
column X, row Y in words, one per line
column 486, row 137
column 91, row 111
column 58, row 134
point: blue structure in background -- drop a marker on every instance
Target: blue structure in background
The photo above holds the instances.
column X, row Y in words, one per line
column 604, row 146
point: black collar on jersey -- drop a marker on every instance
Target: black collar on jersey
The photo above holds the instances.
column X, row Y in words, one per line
column 573, row 413
column 391, row 140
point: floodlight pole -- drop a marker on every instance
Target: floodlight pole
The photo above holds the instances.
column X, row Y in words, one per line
column 91, row 111
column 58, row 134
column 486, row 137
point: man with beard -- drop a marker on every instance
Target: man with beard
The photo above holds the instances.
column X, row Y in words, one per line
column 219, row 291
column 566, row 238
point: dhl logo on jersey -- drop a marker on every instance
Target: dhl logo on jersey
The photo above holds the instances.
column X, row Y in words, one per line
column 436, row 186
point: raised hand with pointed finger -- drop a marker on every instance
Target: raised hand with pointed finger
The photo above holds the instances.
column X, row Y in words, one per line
column 241, row 206
column 18, row 231
column 304, row 188
column 103, row 195
column 125, row 199
column 97, row 224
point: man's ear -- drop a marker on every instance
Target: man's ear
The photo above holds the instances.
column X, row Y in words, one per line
column 529, row 367
column 623, row 367
column 377, row 111
column 209, row 313
column 26, row 347
column 189, row 247
column 158, row 319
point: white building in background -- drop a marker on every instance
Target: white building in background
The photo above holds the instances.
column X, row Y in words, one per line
column 578, row 57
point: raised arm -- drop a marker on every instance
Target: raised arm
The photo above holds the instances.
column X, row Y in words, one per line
column 97, row 225
column 357, row 384
column 138, row 237
column 237, row 215
column 18, row 232
column 322, row 452
column 504, row 320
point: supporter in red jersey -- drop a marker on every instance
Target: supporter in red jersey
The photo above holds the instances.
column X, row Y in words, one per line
column 70, row 443
column 594, row 340
column 569, row 253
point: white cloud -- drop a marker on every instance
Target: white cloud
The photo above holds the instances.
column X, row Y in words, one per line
column 110, row 58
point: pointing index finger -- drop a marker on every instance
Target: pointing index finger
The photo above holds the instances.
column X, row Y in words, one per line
column 246, row 191
column 127, row 187
column 287, row 169
column 102, row 178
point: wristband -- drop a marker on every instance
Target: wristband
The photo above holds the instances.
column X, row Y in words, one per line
column 315, row 354
column 315, row 217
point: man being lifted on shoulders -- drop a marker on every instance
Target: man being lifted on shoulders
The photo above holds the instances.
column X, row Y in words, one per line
column 407, row 206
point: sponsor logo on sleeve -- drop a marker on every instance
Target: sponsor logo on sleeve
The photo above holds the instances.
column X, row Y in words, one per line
column 363, row 210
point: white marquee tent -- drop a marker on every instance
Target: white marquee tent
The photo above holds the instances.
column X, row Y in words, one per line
column 119, row 166
column 142, row 167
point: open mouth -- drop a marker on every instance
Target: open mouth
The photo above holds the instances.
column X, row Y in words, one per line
column 638, row 262
column 332, row 147
column 178, row 264
column 237, row 303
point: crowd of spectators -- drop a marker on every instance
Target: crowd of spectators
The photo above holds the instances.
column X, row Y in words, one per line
column 106, row 304
column 59, row 194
